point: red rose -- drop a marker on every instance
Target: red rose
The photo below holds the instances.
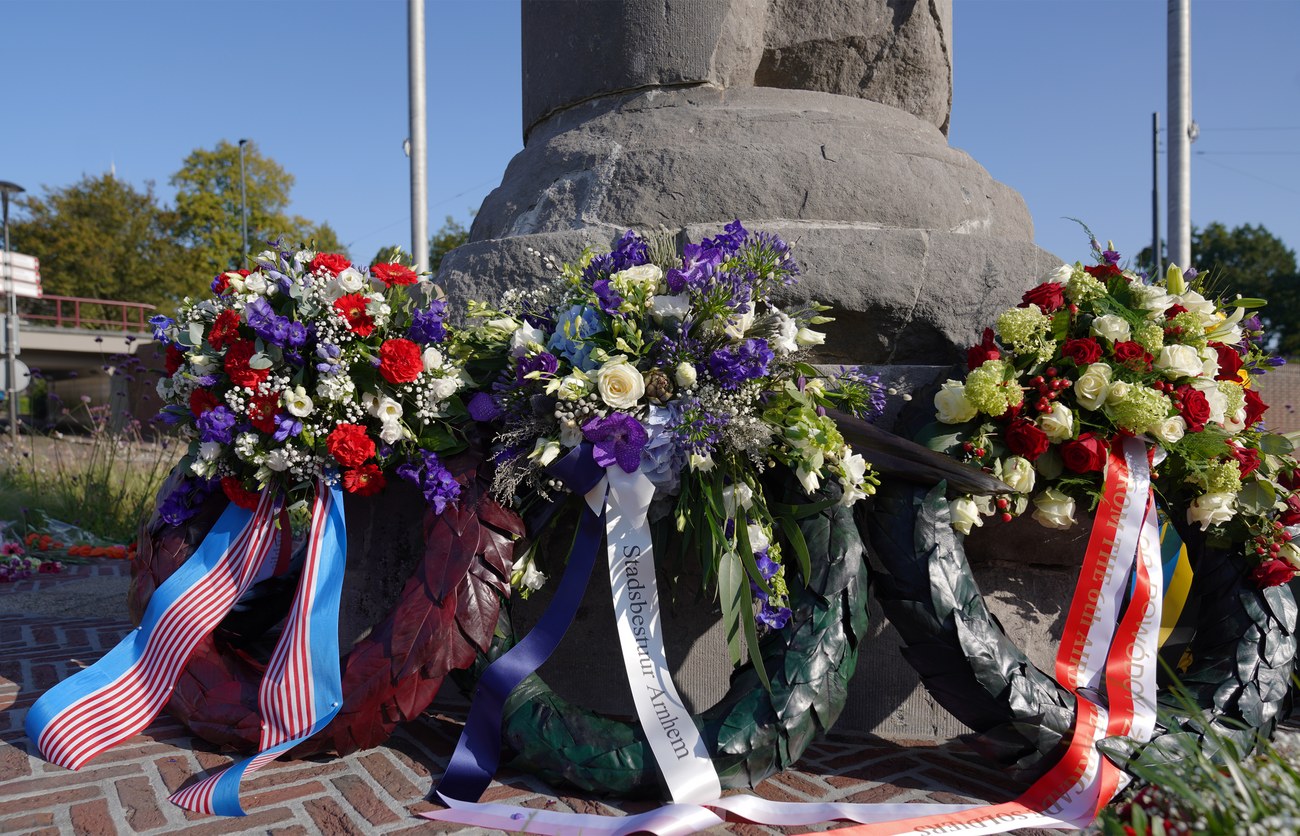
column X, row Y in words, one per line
column 364, row 481
column 986, row 350
column 1290, row 479
column 1174, row 310
column 1247, row 458
column 201, row 400
column 393, row 274
column 1291, row 516
column 332, row 263
column 173, row 360
column 353, row 308
column 1272, row 572
column 224, row 330
column 1102, row 272
column 1255, row 407
column 1129, row 353
column 1086, row 454
column 262, row 410
column 1049, row 297
column 238, row 494
column 400, row 361
column 237, row 368
column 1083, row 351
column 1229, row 361
column 1194, row 407
column 1026, row 439
column 350, row 445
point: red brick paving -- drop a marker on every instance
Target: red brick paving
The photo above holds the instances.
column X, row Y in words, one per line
column 124, row 791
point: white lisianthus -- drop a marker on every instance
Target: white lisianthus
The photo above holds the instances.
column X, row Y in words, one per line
column 255, row 283
column 1211, row 509
column 807, row 337
column 210, row 450
column 951, row 404
column 758, row 539
column 1017, row 472
column 1112, row 327
column 737, row 497
column 1054, row 509
column 965, row 514
column 570, row 433
column 785, row 333
column 740, row 323
column 432, row 358
column 670, row 307
column 277, row 460
column 297, row 403
column 685, row 375
column 620, row 383
column 701, row 462
column 526, row 338
column 545, row 451
column 1179, row 361
column 1170, row 430
column 1058, row 424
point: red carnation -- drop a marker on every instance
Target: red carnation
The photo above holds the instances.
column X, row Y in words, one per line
column 400, row 361
column 1229, row 361
column 220, row 284
column 262, row 411
column 238, row 494
column 236, row 365
column 353, row 308
column 201, row 400
column 1026, row 439
column 987, row 349
column 393, row 274
column 1086, row 454
column 1273, row 572
column 1083, row 351
column 1255, row 407
column 364, row 481
column 1049, row 297
column 173, row 360
column 1101, row 272
column 350, row 445
column 332, row 263
column 224, row 329
column 1194, row 407
column 1131, row 354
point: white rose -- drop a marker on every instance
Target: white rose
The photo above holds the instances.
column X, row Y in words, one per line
column 1054, row 509
column 1018, row 473
column 432, row 358
column 670, row 307
column 1112, row 327
column 965, row 514
column 621, row 385
column 807, row 337
column 1211, row 509
column 526, row 338
column 277, row 460
column 685, row 375
column 740, row 323
column 297, row 402
column 951, row 405
column 441, row 388
column 255, row 283
column 391, row 432
column 1291, row 554
column 1179, row 361
column 1170, row 430
column 1118, row 391
column 1060, row 275
column 1152, row 299
column 1057, row 424
column 647, row 276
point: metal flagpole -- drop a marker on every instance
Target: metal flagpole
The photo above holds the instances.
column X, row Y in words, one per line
column 419, row 138
column 11, row 320
column 1179, row 91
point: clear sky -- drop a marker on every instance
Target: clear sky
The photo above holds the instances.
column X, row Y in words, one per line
column 1053, row 97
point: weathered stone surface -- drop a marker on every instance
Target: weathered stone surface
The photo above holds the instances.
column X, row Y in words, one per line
column 895, row 53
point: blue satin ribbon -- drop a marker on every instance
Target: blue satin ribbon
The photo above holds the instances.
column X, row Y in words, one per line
column 478, row 752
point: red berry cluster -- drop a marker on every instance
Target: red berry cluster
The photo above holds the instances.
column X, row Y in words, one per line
column 1269, row 544
column 1049, row 388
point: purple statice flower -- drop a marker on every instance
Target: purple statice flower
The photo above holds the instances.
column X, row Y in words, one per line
column 427, row 325
column 619, row 438
column 439, row 487
column 484, row 407
column 607, row 296
column 1110, row 256
column 775, row 618
column 286, row 426
column 217, row 424
column 543, row 362
column 328, row 354
column 206, row 380
column 663, row 458
column 734, row 365
column 573, row 328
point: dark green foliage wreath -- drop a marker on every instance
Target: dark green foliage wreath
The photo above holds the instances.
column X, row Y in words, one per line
column 751, row 733
column 1242, row 654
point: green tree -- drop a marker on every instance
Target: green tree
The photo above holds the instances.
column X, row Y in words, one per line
column 102, row 238
column 450, row 236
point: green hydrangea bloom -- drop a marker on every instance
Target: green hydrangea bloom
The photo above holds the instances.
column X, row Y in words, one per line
column 1025, row 330
column 1150, row 336
column 1234, row 395
column 1192, row 333
column 1223, row 477
column 1139, row 409
column 1082, row 288
column 989, row 391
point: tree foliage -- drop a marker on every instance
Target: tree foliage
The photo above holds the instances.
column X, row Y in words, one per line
column 450, row 236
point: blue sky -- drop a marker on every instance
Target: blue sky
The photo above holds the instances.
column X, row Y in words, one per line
column 1053, row 97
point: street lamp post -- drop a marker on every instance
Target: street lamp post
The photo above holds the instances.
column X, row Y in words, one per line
column 243, row 199
column 11, row 320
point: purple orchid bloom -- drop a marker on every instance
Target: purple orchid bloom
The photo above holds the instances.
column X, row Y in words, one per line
column 619, row 438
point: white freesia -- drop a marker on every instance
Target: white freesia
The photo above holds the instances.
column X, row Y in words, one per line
column 297, row 403
column 951, row 404
column 1092, row 387
column 685, row 375
column 1211, row 509
column 545, row 451
column 382, row 407
column 810, row 479
column 701, row 462
column 526, row 338
column 432, row 358
column 1017, row 472
column 855, row 469
column 670, row 307
column 965, row 514
column 236, row 281
column 1170, row 430
column 807, row 337
column 1058, row 424
column 620, row 383
column 1054, row 509
column 572, row 387
column 532, row 579
column 1179, row 361
column 1112, row 327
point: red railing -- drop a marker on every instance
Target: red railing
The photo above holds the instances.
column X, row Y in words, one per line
column 79, row 312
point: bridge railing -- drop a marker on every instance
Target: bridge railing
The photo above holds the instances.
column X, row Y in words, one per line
column 81, row 312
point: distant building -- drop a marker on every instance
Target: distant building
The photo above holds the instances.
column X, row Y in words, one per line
column 1280, row 389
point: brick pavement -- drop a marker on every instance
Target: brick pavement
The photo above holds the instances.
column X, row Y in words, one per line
column 124, row 790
